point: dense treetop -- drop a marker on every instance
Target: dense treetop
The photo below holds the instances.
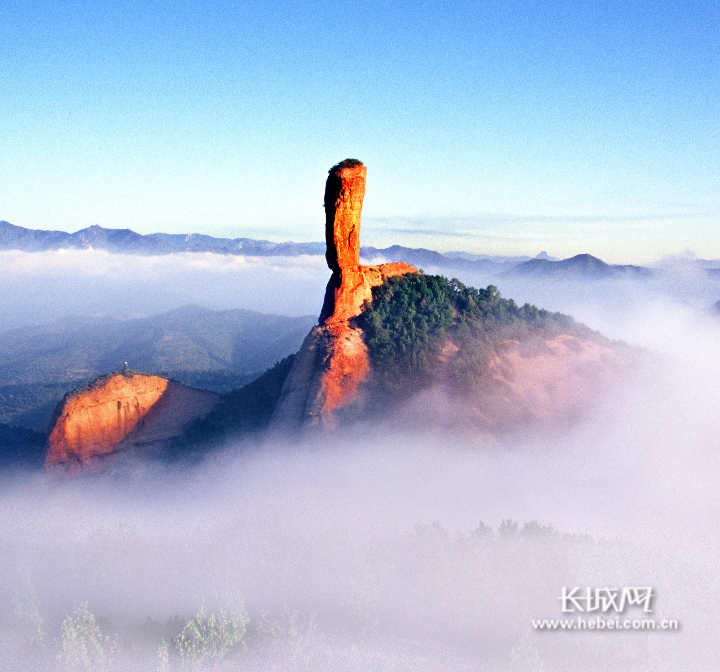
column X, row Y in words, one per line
column 411, row 317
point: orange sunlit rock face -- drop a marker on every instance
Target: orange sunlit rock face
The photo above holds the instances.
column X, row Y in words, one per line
column 94, row 422
column 544, row 378
column 120, row 410
column 348, row 362
column 344, row 194
column 333, row 361
column 348, row 290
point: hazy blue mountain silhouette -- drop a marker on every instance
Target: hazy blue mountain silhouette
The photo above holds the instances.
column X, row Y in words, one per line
column 129, row 242
column 126, row 241
column 581, row 265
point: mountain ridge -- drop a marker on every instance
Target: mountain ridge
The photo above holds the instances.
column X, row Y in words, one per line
column 124, row 409
column 152, row 343
column 126, row 241
column 581, row 265
column 390, row 340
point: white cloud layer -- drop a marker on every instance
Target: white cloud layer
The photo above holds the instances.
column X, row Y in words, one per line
column 328, row 525
column 39, row 287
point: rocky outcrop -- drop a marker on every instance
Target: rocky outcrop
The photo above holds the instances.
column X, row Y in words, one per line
column 544, row 376
column 549, row 378
column 333, row 361
column 120, row 411
column 350, row 284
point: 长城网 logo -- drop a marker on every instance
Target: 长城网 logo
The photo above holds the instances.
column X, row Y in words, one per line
column 605, row 600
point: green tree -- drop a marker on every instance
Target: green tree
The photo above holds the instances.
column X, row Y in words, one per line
column 84, row 648
column 208, row 639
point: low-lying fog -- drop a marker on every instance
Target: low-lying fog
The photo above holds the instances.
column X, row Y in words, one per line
column 46, row 286
column 365, row 550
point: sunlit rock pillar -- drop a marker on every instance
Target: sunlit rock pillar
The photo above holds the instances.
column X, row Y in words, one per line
column 333, row 362
column 344, row 194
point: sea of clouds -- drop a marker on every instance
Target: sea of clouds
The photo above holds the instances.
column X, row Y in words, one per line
column 47, row 286
column 363, row 550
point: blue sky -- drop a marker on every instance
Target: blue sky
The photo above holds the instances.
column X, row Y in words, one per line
column 494, row 127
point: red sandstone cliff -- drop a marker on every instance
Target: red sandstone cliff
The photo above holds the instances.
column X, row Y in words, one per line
column 120, row 411
column 535, row 377
column 333, row 361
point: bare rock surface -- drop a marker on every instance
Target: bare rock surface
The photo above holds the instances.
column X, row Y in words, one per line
column 122, row 410
column 540, row 378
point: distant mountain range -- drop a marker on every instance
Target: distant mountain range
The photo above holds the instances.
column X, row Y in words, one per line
column 126, row 241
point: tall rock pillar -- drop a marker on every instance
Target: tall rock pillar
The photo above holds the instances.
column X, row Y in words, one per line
column 344, row 194
column 333, row 361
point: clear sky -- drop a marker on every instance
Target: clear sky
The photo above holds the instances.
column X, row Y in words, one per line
column 494, row 127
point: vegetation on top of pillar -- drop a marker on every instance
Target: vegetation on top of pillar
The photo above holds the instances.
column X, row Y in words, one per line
column 346, row 163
